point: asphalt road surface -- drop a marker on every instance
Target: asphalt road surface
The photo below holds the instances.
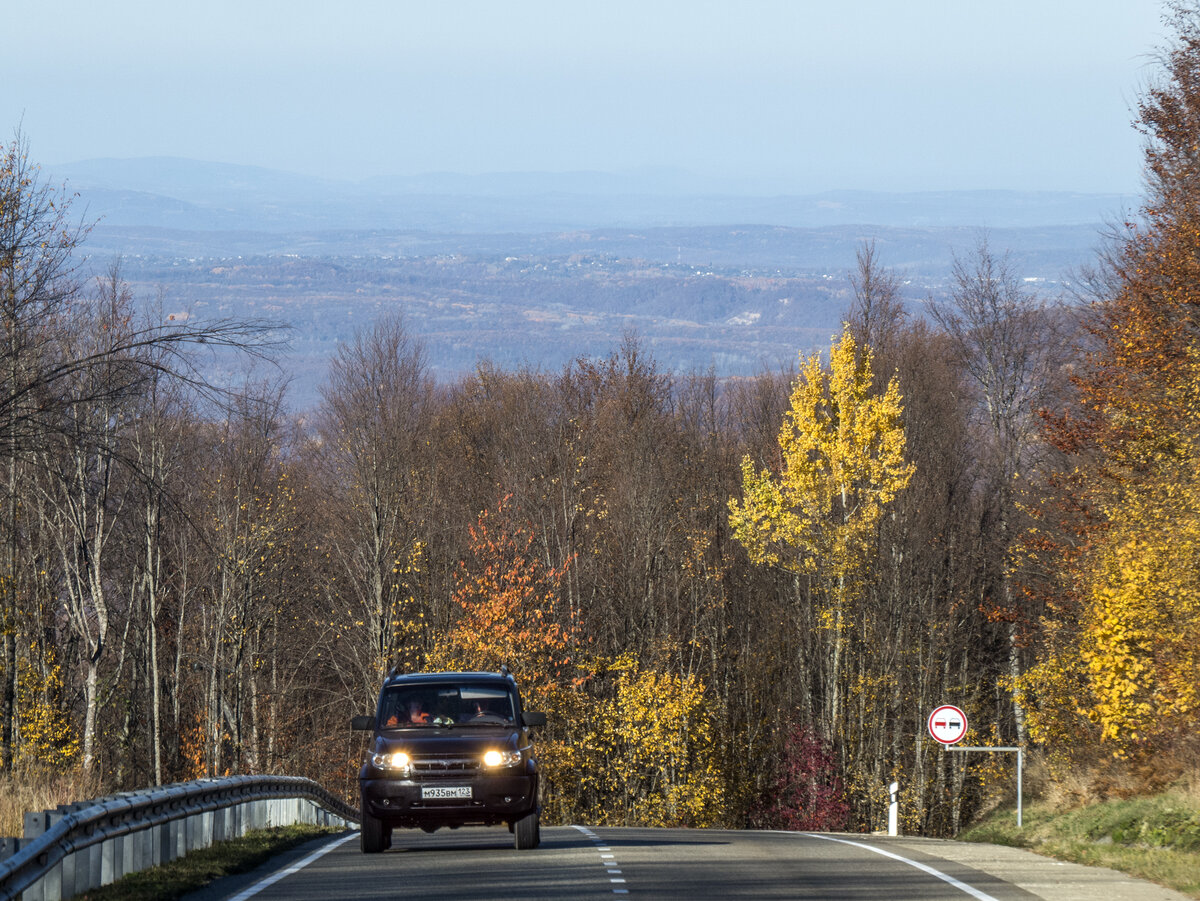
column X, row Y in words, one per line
column 579, row 863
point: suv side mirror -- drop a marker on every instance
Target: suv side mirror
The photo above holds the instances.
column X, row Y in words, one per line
column 364, row 723
column 529, row 718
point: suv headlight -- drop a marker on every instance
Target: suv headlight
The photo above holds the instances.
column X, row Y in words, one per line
column 397, row 760
column 501, row 758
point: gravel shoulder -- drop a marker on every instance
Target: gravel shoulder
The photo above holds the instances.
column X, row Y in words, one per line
column 1050, row 879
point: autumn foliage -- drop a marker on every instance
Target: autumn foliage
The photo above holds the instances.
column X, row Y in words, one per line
column 510, row 609
column 736, row 600
column 247, row 577
column 633, row 748
column 1118, row 665
column 843, row 463
column 807, row 793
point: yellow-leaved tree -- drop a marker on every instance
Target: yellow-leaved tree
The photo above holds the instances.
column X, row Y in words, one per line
column 1116, row 555
column 841, row 463
column 648, row 756
column 47, row 743
column 1120, row 661
column 1141, row 631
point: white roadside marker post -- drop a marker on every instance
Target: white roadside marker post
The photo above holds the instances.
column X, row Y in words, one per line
column 894, row 809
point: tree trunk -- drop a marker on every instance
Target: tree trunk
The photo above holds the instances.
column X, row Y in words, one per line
column 90, row 688
column 8, row 713
column 153, row 563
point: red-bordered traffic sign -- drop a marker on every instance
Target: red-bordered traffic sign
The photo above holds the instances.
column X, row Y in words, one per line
column 948, row 724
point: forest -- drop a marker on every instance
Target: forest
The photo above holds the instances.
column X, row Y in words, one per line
column 736, row 599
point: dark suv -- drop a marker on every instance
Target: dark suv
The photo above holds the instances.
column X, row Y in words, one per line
column 449, row 749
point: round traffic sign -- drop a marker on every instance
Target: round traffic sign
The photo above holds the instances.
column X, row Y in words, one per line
column 948, row 724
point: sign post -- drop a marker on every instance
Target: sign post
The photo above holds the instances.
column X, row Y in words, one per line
column 948, row 725
column 1020, row 766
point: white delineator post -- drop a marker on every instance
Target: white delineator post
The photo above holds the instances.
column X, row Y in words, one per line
column 894, row 809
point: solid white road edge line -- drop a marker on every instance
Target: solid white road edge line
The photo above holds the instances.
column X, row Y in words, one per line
column 961, row 886
column 294, row 868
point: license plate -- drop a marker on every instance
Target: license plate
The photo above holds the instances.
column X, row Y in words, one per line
column 437, row 792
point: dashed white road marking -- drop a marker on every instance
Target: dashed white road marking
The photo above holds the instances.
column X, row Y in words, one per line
column 608, row 860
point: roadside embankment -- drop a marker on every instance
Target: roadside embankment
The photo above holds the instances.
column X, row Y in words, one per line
column 1155, row 838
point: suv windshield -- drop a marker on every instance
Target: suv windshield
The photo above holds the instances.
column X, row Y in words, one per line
column 405, row 706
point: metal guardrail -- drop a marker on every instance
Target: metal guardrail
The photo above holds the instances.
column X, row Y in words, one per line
column 82, row 846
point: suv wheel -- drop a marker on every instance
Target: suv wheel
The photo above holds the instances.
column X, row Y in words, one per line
column 374, row 836
column 526, row 832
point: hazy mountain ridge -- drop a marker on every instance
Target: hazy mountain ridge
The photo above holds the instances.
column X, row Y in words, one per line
column 165, row 192
column 541, row 279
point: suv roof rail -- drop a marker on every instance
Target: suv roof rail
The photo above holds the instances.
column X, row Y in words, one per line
column 504, row 670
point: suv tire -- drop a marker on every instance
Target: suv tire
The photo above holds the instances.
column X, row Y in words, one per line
column 373, row 836
column 527, row 833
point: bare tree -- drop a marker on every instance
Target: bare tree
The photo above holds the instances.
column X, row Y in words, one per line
column 37, row 240
column 1009, row 344
column 877, row 314
column 57, row 381
column 373, row 426
column 154, row 446
column 80, row 463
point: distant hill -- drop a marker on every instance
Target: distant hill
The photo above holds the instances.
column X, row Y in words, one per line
column 536, row 269
column 1049, row 253
column 192, row 195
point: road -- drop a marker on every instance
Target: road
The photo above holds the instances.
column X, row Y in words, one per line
column 579, row 863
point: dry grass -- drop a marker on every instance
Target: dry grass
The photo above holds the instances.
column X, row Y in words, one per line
column 19, row 794
column 1155, row 838
column 1093, row 775
column 188, row 874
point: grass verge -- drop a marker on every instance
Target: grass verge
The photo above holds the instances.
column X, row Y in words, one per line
column 186, row 874
column 1155, row 838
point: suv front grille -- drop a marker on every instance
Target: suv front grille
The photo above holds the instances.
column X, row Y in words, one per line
column 444, row 766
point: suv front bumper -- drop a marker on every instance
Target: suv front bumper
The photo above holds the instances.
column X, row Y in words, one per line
column 494, row 799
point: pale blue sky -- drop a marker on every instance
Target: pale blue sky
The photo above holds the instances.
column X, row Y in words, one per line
column 804, row 96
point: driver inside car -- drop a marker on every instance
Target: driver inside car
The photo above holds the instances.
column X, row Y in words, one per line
column 484, row 710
